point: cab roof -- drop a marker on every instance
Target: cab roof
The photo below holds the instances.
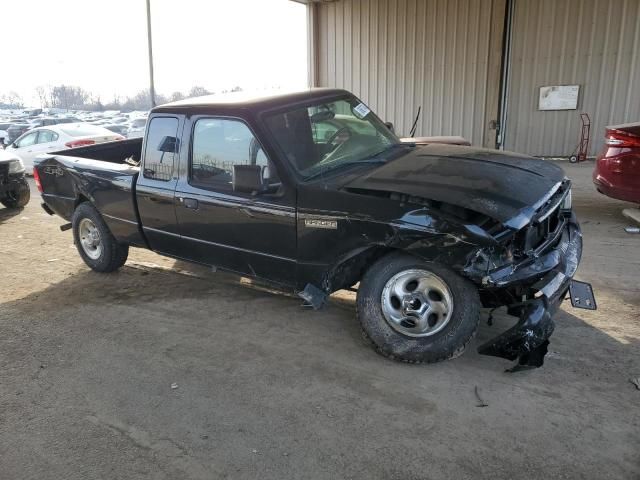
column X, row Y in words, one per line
column 250, row 100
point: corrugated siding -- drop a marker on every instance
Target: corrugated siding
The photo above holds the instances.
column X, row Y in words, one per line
column 397, row 55
column 593, row 43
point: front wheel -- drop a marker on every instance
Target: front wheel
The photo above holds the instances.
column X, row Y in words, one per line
column 94, row 241
column 19, row 197
column 417, row 312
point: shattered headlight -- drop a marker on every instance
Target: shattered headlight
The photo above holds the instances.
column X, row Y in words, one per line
column 16, row 166
column 566, row 203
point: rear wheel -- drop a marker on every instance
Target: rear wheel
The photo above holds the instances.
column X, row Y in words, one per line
column 94, row 241
column 19, row 197
column 416, row 311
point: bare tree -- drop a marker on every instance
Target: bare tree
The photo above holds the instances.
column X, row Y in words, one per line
column 11, row 100
column 175, row 96
column 72, row 97
column 67, row 97
column 42, row 96
column 198, row 92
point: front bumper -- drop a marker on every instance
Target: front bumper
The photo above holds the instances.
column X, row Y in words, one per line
column 549, row 276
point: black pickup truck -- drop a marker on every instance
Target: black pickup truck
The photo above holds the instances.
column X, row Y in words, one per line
column 311, row 191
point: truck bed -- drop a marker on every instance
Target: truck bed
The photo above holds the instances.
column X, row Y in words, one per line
column 112, row 152
column 101, row 174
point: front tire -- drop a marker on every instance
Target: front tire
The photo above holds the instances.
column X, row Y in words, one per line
column 94, row 241
column 19, row 197
column 415, row 311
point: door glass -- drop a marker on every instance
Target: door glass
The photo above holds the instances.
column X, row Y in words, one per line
column 218, row 145
column 161, row 148
column 27, row 140
column 47, row 136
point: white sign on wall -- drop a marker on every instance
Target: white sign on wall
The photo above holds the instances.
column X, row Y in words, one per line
column 559, row 97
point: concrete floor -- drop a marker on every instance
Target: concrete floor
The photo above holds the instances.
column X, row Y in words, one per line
column 267, row 390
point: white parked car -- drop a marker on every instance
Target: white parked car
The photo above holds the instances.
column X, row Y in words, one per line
column 58, row 137
column 136, row 128
column 4, row 134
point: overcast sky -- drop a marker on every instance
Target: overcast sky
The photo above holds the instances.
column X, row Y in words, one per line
column 101, row 45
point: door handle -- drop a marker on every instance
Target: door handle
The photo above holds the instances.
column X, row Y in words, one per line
column 188, row 202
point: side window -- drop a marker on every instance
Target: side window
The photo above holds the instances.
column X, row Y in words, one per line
column 218, row 145
column 46, row 136
column 27, row 140
column 161, row 148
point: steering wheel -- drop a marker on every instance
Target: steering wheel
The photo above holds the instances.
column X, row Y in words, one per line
column 336, row 150
column 338, row 132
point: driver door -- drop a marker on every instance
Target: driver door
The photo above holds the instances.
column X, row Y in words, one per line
column 252, row 234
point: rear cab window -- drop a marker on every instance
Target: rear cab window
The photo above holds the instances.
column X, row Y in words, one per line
column 161, row 148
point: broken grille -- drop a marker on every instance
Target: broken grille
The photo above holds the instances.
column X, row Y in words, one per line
column 539, row 232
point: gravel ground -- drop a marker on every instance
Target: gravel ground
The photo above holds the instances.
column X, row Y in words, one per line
column 267, row 390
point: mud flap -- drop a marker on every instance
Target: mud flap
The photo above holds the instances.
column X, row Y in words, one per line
column 526, row 341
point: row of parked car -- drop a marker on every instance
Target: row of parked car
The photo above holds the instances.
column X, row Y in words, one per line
column 30, row 136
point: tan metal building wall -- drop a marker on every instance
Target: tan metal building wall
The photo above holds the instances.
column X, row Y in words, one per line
column 593, row 43
column 443, row 55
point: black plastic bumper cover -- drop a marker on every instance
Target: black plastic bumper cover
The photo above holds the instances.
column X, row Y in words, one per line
column 527, row 341
column 14, row 181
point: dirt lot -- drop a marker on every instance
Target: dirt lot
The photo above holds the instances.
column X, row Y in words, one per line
column 267, row 390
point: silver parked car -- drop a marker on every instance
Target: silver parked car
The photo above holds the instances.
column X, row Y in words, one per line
column 136, row 128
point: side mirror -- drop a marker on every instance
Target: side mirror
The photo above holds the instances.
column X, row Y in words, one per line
column 389, row 125
column 247, row 178
column 168, row 144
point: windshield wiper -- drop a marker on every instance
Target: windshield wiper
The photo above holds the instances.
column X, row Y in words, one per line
column 378, row 157
column 344, row 164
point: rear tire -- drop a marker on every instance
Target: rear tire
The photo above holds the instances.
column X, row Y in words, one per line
column 94, row 241
column 19, row 197
column 397, row 284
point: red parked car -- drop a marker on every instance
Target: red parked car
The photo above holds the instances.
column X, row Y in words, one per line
column 617, row 172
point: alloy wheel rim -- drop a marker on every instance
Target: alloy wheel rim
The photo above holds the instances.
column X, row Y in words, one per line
column 90, row 239
column 416, row 303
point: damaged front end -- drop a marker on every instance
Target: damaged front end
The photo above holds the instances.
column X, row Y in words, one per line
column 532, row 278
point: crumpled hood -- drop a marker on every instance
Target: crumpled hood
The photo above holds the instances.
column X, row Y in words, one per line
column 506, row 186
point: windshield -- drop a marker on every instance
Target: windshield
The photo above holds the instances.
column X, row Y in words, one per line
column 322, row 137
